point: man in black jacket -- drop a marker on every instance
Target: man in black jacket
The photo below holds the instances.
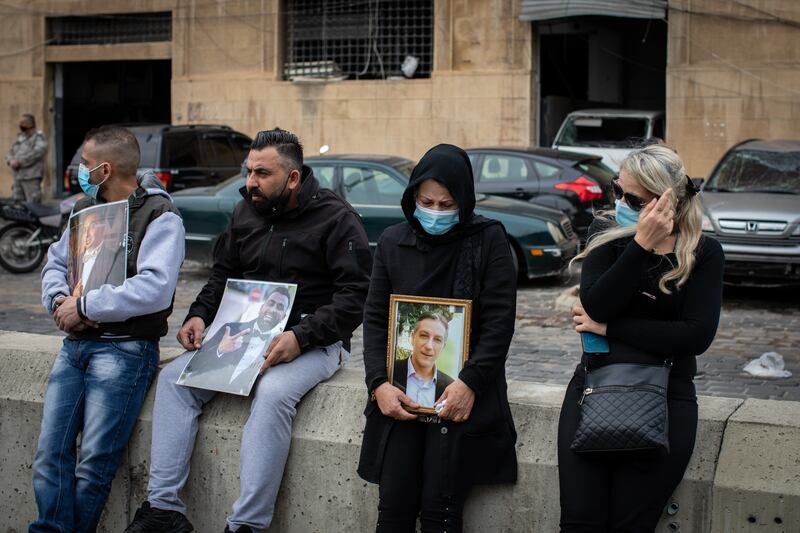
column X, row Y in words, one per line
column 288, row 230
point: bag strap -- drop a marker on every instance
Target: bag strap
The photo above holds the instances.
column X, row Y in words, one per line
column 668, row 362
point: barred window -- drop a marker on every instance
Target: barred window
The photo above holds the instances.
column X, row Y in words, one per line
column 359, row 40
column 110, row 29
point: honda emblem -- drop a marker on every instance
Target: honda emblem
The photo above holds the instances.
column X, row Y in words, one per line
column 752, row 226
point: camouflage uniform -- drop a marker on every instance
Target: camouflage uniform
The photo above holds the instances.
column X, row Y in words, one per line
column 29, row 152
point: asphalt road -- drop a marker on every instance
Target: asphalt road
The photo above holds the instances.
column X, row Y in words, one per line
column 545, row 348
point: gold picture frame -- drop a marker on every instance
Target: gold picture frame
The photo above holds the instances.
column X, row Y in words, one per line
column 439, row 346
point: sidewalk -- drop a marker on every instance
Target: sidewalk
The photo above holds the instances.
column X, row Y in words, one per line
column 545, row 347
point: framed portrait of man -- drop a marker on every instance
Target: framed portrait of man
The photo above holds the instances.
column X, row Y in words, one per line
column 98, row 247
column 428, row 346
column 250, row 314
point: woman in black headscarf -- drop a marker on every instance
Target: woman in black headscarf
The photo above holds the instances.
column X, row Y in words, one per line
column 443, row 250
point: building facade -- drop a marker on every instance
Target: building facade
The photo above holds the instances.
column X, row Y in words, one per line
column 481, row 72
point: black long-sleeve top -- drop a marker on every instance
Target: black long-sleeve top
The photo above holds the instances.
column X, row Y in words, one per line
column 619, row 287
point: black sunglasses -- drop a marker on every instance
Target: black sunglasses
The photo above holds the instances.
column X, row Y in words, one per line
column 633, row 201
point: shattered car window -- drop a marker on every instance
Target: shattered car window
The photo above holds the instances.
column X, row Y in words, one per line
column 609, row 132
column 758, row 171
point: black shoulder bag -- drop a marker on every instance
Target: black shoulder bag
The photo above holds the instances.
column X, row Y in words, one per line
column 624, row 408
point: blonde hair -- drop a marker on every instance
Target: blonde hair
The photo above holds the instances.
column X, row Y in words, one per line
column 657, row 168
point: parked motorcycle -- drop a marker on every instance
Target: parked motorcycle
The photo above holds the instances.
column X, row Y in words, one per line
column 29, row 231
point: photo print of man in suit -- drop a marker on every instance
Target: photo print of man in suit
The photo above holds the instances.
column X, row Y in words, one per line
column 98, row 252
column 230, row 359
column 418, row 375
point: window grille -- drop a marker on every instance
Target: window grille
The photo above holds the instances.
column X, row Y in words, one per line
column 110, row 29
column 351, row 39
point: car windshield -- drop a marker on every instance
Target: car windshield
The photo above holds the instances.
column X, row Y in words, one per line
column 608, row 132
column 598, row 170
column 231, row 186
column 758, row 171
column 405, row 168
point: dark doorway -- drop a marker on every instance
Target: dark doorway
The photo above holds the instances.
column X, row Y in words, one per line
column 108, row 92
column 606, row 62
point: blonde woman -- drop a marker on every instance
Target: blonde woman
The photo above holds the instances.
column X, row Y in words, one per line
column 651, row 284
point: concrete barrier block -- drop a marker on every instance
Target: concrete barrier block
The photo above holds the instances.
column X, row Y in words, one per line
column 744, row 474
column 22, row 386
column 757, row 484
column 26, row 360
column 530, row 505
column 320, row 486
column 689, row 508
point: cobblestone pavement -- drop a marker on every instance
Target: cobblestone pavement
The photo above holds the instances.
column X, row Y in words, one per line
column 545, row 348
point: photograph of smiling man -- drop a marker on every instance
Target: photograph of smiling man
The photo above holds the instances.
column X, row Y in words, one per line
column 428, row 346
column 250, row 315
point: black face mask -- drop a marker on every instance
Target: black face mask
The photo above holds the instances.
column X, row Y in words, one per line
column 23, row 129
column 270, row 206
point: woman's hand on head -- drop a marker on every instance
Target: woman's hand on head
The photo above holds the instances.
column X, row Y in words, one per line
column 584, row 323
column 391, row 400
column 656, row 222
column 460, row 399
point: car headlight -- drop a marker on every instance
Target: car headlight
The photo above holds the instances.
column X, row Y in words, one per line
column 796, row 230
column 707, row 225
column 556, row 233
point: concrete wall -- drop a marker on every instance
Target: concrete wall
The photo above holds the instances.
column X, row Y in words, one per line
column 479, row 92
column 744, row 475
column 26, row 82
column 733, row 73
column 226, row 66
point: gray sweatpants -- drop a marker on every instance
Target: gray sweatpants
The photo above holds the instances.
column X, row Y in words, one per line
column 265, row 439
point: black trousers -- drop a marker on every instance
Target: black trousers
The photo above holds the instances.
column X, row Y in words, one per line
column 415, row 482
column 620, row 492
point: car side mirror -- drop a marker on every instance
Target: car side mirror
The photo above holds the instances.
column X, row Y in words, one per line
column 698, row 182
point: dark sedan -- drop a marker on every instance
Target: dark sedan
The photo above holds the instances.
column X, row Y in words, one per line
column 573, row 183
column 542, row 239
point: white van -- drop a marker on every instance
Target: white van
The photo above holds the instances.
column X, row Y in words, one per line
column 609, row 133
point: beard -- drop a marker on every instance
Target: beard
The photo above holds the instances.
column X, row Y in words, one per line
column 268, row 206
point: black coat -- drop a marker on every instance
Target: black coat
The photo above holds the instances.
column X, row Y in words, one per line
column 408, row 261
column 321, row 245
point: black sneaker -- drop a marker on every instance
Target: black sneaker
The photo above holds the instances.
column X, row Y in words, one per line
column 151, row 520
column 242, row 529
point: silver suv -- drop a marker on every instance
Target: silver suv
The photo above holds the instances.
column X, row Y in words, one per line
column 751, row 204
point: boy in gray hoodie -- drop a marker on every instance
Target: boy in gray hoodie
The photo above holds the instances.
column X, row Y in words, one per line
column 108, row 360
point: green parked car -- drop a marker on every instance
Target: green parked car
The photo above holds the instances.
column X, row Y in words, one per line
column 542, row 239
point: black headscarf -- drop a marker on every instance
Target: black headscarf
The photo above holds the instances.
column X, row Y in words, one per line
column 451, row 260
column 450, row 166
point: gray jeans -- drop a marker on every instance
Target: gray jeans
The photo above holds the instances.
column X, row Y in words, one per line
column 27, row 190
column 265, row 439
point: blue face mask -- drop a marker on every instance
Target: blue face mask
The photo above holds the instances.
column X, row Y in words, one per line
column 625, row 215
column 84, row 177
column 436, row 222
